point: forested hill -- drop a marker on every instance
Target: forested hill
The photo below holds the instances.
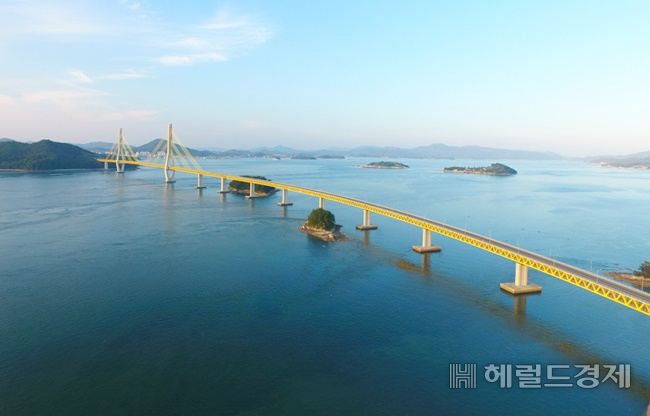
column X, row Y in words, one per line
column 45, row 155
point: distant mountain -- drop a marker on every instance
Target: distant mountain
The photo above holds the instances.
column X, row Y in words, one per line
column 442, row 151
column 149, row 147
column 45, row 155
column 433, row 151
column 6, row 140
column 641, row 160
column 280, row 150
column 97, row 146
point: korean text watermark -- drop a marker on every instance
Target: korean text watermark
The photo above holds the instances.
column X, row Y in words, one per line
column 535, row 376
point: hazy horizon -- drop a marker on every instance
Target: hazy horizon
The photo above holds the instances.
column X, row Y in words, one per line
column 568, row 78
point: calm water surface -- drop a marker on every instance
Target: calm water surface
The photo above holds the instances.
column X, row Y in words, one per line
column 123, row 295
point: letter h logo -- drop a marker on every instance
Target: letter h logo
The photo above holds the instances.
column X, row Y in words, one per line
column 462, row 376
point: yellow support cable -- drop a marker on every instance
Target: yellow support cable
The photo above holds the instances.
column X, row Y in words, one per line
column 186, row 152
column 112, row 152
column 156, row 149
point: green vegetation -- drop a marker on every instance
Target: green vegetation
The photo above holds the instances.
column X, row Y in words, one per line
column 321, row 218
column 497, row 169
column 644, row 270
column 45, row 155
column 386, row 165
column 244, row 187
column 303, row 156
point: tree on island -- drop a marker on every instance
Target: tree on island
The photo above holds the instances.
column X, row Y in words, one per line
column 241, row 186
column 321, row 219
column 644, row 270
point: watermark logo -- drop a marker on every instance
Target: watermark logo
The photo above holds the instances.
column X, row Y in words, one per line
column 462, row 376
column 536, row 376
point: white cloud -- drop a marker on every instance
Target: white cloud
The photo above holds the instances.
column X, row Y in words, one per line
column 62, row 98
column 80, row 76
column 128, row 74
column 51, row 18
column 220, row 39
column 179, row 60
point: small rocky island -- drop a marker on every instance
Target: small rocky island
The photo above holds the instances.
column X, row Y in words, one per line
column 496, row 169
column 320, row 224
column 241, row 187
column 385, row 165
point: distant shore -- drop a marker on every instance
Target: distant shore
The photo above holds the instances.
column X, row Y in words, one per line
column 639, row 281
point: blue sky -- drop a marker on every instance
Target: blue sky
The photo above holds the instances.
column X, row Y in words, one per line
column 566, row 76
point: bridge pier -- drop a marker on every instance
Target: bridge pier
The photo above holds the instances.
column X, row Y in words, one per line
column 284, row 202
column 251, row 192
column 520, row 285
column 169, row 178
column 105, row 165
column 366, row 222
column 223, row 189
column 321, row 203
column 426, row 246
column 199, row 185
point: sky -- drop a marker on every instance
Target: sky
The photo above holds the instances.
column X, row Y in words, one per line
column 572, row 77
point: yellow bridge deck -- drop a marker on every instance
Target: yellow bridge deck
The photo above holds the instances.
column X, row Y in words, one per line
column 608, row 288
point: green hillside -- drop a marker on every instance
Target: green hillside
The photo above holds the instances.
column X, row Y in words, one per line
column 45, row 155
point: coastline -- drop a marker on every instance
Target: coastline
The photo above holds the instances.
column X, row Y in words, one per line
column 640, row 281
column 257, row 194
column 477, row 173
column 326, row 235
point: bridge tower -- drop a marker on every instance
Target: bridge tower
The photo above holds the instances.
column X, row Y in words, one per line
column 169, row 158
column 175, row 157
column 120, row 153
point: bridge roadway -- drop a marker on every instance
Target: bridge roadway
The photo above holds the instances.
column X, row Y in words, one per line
column 608, row 288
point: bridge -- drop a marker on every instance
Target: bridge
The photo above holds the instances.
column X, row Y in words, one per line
column 172, row 156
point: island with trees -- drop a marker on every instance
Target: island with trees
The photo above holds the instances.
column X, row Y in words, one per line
column 241, row 187
column 45, row 155
column 385, row 165
column 321, row 224
column 496, row 169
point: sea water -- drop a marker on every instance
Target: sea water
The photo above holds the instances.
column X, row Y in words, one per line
column 120, row 294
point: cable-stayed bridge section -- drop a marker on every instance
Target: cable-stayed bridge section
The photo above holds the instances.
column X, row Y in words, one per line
column 172, row 156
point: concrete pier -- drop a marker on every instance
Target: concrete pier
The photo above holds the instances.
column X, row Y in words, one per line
column 426, row 246
column 284, row 202
column 199, row 184
column 321, row 203
column 251, row 192
column 223, row 189
column 520, row 285
column 366, row 222
column 105, row 165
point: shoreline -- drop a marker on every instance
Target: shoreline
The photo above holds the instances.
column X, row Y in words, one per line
column 477, row 173
column 257, row 194
column 640, row 281
column 327, row 235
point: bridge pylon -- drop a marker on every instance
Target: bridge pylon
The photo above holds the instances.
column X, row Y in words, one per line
column 176, row 157
column 120, row 152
